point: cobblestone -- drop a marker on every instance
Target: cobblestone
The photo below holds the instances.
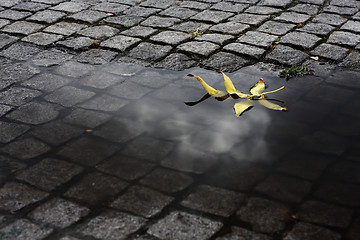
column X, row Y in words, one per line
column 93, row 145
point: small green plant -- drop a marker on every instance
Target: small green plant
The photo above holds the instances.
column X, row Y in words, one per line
column 95, row 43
column 274, row 44
column 294, row 71
column 196, row 33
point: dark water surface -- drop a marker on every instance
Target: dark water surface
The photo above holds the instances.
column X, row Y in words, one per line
column 127, row 129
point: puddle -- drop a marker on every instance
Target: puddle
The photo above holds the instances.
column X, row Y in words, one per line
column 128, row 121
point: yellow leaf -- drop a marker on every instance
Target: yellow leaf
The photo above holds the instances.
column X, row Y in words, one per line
column 242, row 106
column 258, row 87
column 212, row 91
column 230, row 88
column 270, row 105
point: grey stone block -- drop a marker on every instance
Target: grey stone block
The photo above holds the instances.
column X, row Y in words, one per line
column 165, row 180
column 19, row 51
column 88, row 16
column 242, row 233
column 339, row 193
column 125, row 168
column 284, row 188
column 195, row 5
column 230, row 7
column 305, row 230
column 112, row 225
column 143, row 148
column 353, row 26
column 276, row 27
column 34, row 113
column 257, row 38
column 105, row 103
column 263, row 10
column 141, row 11
column 24, row 229
column 212, row 16
column 310, row 9
column 74, row 69
column 325, row 214
column 344, row 38
column 129, row 90
column 99, row 32
column 9, row 3
column 349, row 11
column 300, row 39
column 317, row 28
column 170, row 37
column 160, row 22
column 251, row 19
column 6, row 40
column 327, row 18
column 233, row 28
column 214, row 200
column 351, row 61
column 286, row 55
column 178, row 12
column 69, row 96
column 110, row 7
column 15, row 73
column 127, row 2
column 42, row 39
column 142, row 201
column 150, row 52
column 96, row 56
column 15, row 196
column 245, row 49
column 264, row 215
column 182, row 226
column 124, row 20
column 64, row 28
column 87, row 151
column 52, row 2
column 293, row 17
column 95, row 188
column 49, row 173
column 120, row 43
column 275, row 3
column 101, row 80
column 49, row 58
column 30, row 6
column 200, row 48
column 317, row 2
column 56, row 132
column 14, row 15
column 4, row 109
column 163, row 4
column 176, row 62
column 139, row 31
column 330, row 51
column 215, row 38
column 59, row 213
column 17, row 96
column 70, row 7
column 10, row 131
column 77, row 43
column 46, row 82
column 4, row 22
column 86, row 118
column 47, row 16
column 190, row 27
column 226, row 62
column 26, row 148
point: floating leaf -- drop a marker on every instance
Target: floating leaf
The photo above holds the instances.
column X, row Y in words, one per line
column 242, row 106
column 258, row 88
column 263, row 101
column 230, row 88
column 212, row 91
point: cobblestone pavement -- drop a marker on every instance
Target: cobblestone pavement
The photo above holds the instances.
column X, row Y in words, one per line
column 93, row 145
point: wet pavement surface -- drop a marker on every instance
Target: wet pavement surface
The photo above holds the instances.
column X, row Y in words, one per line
column 95, row 144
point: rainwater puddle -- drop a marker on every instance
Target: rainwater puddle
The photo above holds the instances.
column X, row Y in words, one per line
column 132, row 123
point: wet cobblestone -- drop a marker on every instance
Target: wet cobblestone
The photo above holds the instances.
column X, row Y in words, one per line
column 92, row 145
